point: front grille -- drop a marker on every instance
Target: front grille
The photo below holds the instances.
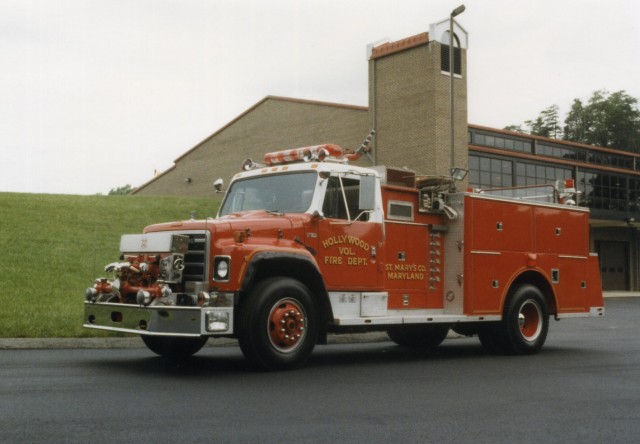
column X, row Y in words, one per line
column 195, row 261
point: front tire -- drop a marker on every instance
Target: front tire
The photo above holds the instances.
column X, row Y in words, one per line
column 173, row 346
column 278, row 327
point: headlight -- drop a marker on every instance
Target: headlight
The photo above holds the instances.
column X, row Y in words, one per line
column 221, row 268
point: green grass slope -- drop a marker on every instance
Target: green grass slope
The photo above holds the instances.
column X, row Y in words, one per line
column 53, row 246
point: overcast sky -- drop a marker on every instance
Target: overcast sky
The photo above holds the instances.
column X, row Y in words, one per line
column 97, row 94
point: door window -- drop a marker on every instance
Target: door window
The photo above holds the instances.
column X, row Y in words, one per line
column 342, row 199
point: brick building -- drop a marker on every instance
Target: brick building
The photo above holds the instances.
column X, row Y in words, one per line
column 271, row 124
column 409, row 108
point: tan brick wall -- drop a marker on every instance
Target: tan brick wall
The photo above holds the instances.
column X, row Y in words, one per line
column 273, row 124
column 412, row 110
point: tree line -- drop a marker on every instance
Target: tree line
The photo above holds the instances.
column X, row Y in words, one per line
column 609, row 120
column 121, row 191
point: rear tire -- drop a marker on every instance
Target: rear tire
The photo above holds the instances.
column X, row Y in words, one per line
column 524, row 326
column 173, row 346
column 278, row 327
column 526, row 320
column 418, row 335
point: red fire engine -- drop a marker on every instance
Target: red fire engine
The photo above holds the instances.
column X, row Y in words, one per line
column 307, row 245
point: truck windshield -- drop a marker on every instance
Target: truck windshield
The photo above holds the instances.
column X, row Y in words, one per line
column 282, row 193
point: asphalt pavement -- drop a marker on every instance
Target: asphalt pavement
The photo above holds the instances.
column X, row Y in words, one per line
column 583, row 387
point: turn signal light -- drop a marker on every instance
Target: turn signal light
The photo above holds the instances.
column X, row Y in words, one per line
column 217, row 321
column 239, row 237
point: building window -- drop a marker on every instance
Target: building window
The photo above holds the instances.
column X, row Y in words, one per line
column 528, row 174
column 486, row 172
column 560, row 152
column 457, row 58
column 502, row 142
column 582, row 155
column 606, row 191
column 617, row 161
column 634, row 195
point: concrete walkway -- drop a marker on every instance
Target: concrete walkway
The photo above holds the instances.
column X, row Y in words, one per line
column 620, row 294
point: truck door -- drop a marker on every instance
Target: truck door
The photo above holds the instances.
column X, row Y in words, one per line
column 349, row 235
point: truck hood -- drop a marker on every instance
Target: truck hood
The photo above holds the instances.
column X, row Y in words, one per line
column 259, row 223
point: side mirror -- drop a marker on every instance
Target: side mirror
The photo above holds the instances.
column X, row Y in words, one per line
column 217, row 184
column 367, row 201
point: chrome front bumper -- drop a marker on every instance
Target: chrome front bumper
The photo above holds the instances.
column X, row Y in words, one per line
column 159, row 320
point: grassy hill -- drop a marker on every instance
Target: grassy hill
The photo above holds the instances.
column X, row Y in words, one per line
column 53, row 246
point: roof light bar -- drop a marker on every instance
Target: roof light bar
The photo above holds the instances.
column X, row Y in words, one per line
column 306, row 154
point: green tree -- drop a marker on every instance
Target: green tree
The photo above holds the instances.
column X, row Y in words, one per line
column 127, row 189
column 514, row 128
column 610, row 120
column 547, row 124
column 575, row 124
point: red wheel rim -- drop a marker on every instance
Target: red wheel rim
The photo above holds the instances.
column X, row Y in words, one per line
column 530, row 320
column 286, row 326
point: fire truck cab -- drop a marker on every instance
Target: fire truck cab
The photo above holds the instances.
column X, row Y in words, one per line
column 307, row 244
